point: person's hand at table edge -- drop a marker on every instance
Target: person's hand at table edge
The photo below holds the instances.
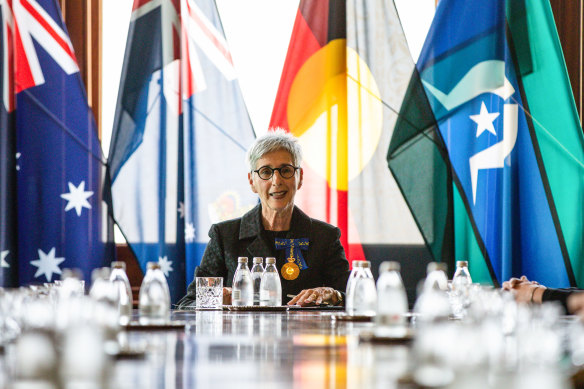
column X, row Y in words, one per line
column 226, row 296
column 525, row 291
column 316, row 296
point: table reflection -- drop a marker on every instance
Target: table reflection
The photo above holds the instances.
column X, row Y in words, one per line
column 259, row 349
column 298, row 349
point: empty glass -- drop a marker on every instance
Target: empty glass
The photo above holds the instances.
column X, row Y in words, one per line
column 209, row 292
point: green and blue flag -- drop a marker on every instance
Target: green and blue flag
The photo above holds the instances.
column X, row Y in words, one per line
column 491, row 125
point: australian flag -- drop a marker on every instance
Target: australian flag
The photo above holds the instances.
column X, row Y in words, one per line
column 180, row 134
column 51, row 164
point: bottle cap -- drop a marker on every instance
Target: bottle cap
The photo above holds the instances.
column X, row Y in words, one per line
column 258, row 260
column 71, row 273
column 242, row 260
column 152, row 265
column 101, row 273
column 436, row 266
column 270, row 260
column 389, row 266
column 461, row 263
column 118, row 265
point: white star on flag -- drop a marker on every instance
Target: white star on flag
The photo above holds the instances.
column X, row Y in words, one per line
column 181, row 209
column 165, row 265
column 484, row 120
column 77, row 198
column 189, row 232
column 47, row 264
column 3, row 256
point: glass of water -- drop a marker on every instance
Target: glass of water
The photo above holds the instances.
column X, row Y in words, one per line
column 209, row 292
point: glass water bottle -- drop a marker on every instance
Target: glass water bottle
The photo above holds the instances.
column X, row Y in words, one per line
column 350, row 294
column 119, row 279
column 242, row 288
column 271, row 286
column 154, row 300
column 364, row 292
column 392, row 301
column 257, row 271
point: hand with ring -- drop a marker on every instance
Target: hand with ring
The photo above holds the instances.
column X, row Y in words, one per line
column 315, row 296
column 524, row 290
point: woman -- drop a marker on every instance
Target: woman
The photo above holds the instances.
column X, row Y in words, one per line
column 308, row 252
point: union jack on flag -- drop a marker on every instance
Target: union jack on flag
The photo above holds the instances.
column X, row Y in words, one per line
column 50, row 159
column 180, row 118
column 24, row 23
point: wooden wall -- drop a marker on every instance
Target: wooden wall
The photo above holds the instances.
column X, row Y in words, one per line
column 83, row 20
column 569, row 18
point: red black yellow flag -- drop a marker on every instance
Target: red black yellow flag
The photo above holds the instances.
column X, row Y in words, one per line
column 313, row 91
column 345, row 74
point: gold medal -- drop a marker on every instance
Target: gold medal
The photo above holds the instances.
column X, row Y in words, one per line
column 290, row 270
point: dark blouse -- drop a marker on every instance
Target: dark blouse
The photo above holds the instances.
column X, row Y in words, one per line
column 246, row 237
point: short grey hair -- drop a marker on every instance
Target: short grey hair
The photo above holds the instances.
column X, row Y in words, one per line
column 274, row 140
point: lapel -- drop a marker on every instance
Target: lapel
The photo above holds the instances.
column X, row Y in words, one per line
column 251, row 228
column 300, row 227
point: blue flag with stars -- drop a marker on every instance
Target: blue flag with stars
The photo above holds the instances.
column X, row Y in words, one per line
column 51, row 164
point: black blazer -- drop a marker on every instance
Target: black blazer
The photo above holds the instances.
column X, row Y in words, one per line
column 246, row 237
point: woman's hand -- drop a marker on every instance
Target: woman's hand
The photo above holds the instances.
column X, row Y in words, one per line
column 226, row 296
column 315, row 296
column 525, row 291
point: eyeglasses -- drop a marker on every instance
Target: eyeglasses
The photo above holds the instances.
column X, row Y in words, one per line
column 286, row 171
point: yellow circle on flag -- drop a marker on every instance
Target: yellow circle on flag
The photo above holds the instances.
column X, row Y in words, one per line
column 336, row 112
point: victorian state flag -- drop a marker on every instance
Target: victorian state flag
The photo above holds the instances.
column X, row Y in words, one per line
column 489, row 150
column 51, row 164
column 345, row 75
column 181, row 129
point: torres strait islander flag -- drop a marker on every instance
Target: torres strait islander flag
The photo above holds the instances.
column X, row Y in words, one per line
column 489, row 150
column 180, row 135
column 51, row 164
column 345, row 75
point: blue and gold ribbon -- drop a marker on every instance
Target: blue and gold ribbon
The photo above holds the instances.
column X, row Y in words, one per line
column 294, row 247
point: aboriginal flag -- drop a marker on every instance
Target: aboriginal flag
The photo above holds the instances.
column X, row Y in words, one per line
column 344, row 78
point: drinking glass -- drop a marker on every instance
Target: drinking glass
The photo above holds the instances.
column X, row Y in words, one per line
column 209, row 292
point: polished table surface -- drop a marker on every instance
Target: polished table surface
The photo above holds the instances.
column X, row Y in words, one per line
column 316, row 349
column 286, row 349
column 76, row 343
